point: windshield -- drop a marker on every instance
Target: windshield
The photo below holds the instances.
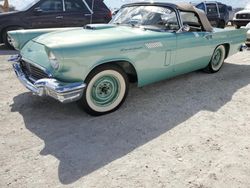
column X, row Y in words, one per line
column 19, row 5
column 152, row 17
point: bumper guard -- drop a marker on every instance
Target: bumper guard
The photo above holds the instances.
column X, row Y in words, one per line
column 243, row 48
column 61, row 91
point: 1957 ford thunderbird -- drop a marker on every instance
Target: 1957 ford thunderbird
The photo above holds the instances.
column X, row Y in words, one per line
column 144, row 43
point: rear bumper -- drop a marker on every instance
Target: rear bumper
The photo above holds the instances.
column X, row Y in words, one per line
column 243, row 47
column 61, row 91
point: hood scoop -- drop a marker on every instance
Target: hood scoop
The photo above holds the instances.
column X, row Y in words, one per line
column 98, row 26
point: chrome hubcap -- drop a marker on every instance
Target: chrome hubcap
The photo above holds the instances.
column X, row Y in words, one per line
column 105, row 90
column 217, row 59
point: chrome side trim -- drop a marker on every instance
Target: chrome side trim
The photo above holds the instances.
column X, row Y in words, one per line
column 61, row 91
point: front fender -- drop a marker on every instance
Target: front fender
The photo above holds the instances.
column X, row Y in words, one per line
column 110, row 60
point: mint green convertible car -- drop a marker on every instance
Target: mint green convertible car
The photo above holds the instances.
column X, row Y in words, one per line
column 144, row 43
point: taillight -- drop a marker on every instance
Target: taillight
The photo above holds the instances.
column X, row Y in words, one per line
column 110, row 14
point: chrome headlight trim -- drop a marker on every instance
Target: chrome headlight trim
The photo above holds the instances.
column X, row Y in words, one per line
column 12, row 41
column 53, row 61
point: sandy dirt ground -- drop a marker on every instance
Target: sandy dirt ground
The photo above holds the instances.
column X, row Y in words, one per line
column 192, row 131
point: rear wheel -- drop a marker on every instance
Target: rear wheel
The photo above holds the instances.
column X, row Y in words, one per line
column 217, row 60
column 107, row 88
column 6, row 39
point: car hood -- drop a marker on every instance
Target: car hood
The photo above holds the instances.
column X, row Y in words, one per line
column 8, row 14
column 243, row 11
column 93, row 35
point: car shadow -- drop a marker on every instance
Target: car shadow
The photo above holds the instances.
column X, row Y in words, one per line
column 84, row 144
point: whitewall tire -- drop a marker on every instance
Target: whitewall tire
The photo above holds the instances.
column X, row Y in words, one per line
column 107, row 88
column 217, row 60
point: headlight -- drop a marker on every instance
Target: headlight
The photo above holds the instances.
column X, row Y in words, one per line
column 53, row 61
column 11, row 41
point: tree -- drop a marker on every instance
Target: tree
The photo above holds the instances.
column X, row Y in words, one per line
column 5, row 6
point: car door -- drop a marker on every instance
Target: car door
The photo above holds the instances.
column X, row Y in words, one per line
column 155, row 53
column 77, row 13
column 194, row 47
column 47, row 14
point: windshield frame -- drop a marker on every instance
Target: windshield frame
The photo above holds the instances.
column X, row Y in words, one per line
column 175, row 10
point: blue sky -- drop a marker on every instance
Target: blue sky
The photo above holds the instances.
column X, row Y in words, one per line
column 234, row 3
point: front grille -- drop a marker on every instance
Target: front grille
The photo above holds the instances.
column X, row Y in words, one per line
column 32, row 72
column 243, row 16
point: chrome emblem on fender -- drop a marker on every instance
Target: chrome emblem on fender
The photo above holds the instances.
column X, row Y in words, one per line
column 154, row 45
column 29, row 50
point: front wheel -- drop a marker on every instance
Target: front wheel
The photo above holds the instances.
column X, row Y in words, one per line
column 217, row 60
column 107, row 88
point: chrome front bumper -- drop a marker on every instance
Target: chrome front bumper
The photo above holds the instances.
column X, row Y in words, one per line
column 61, row 91
column 248, row 42
column 243, row 48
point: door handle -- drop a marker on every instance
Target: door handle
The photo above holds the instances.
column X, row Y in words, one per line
column 59, row 17
column 208, row 36
column 87, row 14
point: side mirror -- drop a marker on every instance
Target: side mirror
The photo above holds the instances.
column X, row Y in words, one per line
column 115, row 12
column 186, row 28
